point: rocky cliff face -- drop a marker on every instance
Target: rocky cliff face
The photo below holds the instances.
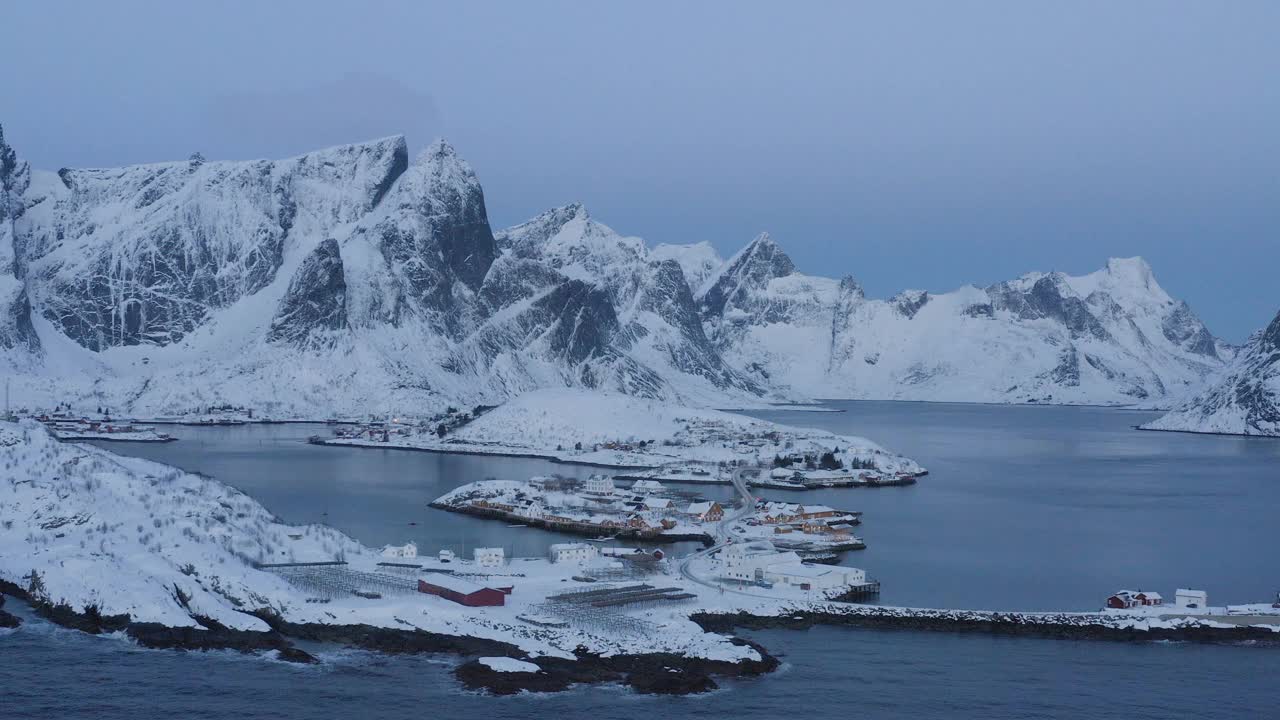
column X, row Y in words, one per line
column 1113, row 336
column 349, row 279
column 314, row 308
column 1244, row 401
column 659, row 322
column 142, row 255
column 16, row 331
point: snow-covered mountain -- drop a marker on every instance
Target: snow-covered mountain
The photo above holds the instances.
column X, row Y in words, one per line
column 346, row 280
column 1245, row 401
column 1110, row 337
column 353, row 280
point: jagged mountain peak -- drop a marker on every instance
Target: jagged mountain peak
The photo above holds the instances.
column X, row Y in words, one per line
column 442, row 162
column 574, row 243
column 1244, row 400
column 386, row 143
column 1270, row 340
column 443, row 158
column 751, row 269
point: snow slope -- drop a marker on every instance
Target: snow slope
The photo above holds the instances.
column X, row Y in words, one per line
column 555, row 418
column 1244, row 401
column 1110, row 337
column 135, row 537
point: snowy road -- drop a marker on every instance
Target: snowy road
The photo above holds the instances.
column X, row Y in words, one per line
column 722, row 537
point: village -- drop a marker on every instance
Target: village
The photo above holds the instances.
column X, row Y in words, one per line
column 601, row 508
column 69, row 428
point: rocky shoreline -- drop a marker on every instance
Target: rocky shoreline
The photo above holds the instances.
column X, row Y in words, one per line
column 650, row 673
column 1006, row 624
column 213, row 636
column 653, row 673
column 7, row 620
column 583, row 529
column 373, row 445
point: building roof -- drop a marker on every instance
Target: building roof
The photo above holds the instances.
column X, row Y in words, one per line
column 795, row 569
column 700, row 508
column 810, row 509
column 657, row 503
column 452, row 582
column 750, row 547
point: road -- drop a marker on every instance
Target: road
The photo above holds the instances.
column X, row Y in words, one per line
column 722, row 537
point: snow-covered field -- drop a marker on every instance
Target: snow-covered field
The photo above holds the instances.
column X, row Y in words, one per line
column 623, row 431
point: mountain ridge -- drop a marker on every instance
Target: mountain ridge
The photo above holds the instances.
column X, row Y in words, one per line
column 354, row 279
column 1245, row 400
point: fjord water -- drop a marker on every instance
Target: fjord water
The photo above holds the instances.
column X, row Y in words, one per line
column 1025, row 508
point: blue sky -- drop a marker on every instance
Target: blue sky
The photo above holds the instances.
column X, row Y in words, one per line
column 909, row 144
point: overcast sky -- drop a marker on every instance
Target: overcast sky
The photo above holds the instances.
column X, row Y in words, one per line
column 909, row 144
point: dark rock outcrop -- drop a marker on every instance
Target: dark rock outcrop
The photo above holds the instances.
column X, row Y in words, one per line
column 753, row 268
column 648, row 673
column 7, row 620
column 314, row 308
column 143, row 254
column 1245, row 401
column 909, row 302
column 16, row 330
column 1047, row 298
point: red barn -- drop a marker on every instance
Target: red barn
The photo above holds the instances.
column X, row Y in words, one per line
column 1123, row 599
column 461, row 591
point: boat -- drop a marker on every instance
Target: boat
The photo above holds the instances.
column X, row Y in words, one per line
column 517, row 525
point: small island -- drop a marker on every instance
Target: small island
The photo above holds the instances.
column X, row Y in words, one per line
column 648, row 438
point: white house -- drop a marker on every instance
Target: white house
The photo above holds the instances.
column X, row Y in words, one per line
column 408, row 550
column 814, row 577
column 761, row 562
column 447, row 556
column 598, row 485
column 489, row 557
column 572, row 552
column 748, row 561
column 647, row 487
column 1198, row 599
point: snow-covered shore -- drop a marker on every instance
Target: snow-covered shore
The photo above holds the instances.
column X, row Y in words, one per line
column 626, row 432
